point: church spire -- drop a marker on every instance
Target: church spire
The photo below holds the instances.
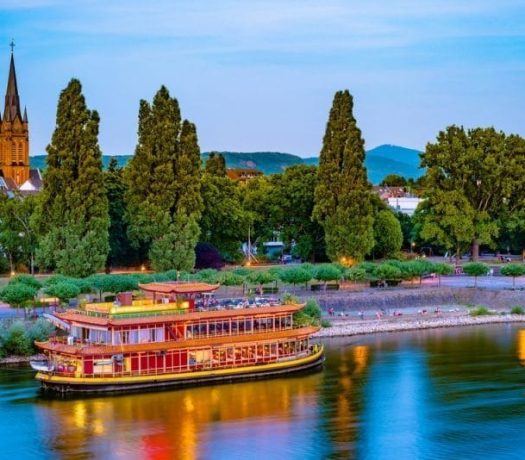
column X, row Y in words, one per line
column 12, row 100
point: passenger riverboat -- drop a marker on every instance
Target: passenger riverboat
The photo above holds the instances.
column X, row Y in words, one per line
column 174, row 336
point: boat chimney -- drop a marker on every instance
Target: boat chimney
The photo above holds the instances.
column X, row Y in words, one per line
column 125, row 299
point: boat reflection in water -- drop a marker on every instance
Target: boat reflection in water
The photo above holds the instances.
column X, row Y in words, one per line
column 520, row 347
column 180, row 424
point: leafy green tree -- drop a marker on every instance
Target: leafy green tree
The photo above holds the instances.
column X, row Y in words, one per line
column 73, row 211
column 63, row 290
column 83, row 284
column 262, row 211
column 120, row 249
column 261, row 277
column 388, row 272
column 387, row 234
column 112, row 283
column 27, row 280
column 513, row 270
column 342, row 195
column 18, row 238
column 327, row 272
column 293, row 197
column 442, row 269
column 475, row 269
column 163, row 185
column 355, row 274
column 224, row 222
column 472, row 177
column 295, row 275
column 446, row 218
column 394, row 180
column 216, row 165
column 18, row 294
column 416, row 268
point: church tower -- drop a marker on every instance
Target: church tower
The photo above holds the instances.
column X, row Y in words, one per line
column 14, row 133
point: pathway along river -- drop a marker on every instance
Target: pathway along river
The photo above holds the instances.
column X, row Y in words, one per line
column 444, row 393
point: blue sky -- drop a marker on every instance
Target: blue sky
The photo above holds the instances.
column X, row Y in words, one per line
column 260, row 75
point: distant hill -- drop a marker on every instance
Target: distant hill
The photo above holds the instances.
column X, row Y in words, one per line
column 39, row 161
column 379, row 161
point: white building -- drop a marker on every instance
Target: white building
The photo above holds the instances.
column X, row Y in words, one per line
column 405, row 204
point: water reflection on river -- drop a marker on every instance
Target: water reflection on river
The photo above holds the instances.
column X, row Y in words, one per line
column 432, row 394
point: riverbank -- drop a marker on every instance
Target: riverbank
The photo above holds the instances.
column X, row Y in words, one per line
column 350, row 327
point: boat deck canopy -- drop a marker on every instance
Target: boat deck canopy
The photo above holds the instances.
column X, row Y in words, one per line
column 234, row 340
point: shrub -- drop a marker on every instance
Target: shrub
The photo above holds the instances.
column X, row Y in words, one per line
column 289, row 299
column 208, row 275
column 242, row 271
column 172, row 275
column 16, row 341
column 230, row 279
column 312, row 309
column 480, row 311
column 517, row 310
column 325, row 323
column 40, row 330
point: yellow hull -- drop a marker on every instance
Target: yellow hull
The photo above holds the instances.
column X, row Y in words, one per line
column 65, row 384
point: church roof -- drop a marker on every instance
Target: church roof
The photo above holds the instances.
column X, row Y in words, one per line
column 12, row 100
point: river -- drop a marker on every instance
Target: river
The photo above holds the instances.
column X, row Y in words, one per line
column 443, row 393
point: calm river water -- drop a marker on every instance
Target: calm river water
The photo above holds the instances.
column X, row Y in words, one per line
column 449, row 393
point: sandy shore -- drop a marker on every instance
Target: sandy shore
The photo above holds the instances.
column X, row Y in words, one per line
column 349, row 327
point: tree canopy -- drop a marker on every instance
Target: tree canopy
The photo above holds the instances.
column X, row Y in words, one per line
column 472, row 177
column 342, row 195
column 73, row 212
column 163, row 196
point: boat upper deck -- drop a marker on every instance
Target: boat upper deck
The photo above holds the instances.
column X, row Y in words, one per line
column 144, row 312
column 59, row 345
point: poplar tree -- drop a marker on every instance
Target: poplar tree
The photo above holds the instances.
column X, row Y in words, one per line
column 120, row 251
column 163, row 185
column 342, row 195
column 216, row 165
column 73, row 212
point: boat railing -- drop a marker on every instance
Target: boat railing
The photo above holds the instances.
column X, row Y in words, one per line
column 190, row 367
column 104, row 312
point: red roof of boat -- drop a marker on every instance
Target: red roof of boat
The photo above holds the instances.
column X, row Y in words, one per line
column 177, row 287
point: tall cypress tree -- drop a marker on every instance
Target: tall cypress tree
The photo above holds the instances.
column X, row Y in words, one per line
column 342, row 195
column 73, row 212
column 216, row 165
column 163, row 185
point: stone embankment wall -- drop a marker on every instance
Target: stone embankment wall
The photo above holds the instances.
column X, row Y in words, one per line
column 374, row 299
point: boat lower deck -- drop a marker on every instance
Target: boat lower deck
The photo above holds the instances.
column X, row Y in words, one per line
column 66, row 384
